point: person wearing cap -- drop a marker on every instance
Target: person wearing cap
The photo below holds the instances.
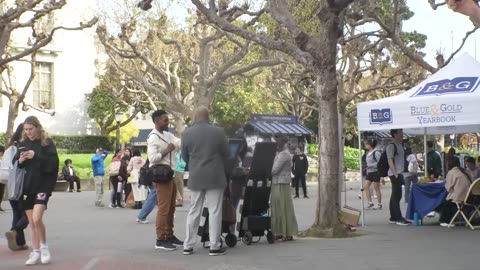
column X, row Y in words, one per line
column 98, row 166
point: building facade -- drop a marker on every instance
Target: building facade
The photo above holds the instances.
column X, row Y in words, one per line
column 65, row 72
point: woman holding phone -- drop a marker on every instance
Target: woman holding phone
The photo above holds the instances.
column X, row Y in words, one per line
column 38, row 155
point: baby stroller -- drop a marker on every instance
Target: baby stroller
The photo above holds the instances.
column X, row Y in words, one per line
column 255, row 218
column 229, row 217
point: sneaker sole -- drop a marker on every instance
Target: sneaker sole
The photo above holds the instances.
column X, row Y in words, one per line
column 216, row 254
column 45, row 262
column 402, row 224
column 164, row 248
column 188, row 252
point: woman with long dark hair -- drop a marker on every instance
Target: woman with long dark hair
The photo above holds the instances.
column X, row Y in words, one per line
column 118, row 174
column 16, row 236
column 38, row 155
column 457, row 184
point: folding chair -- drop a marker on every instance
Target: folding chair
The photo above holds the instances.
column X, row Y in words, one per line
column 471, row 199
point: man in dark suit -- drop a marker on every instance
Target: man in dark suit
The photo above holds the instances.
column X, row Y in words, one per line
column 70, row 175
column 205, row 149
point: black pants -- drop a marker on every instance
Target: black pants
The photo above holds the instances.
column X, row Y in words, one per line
column 395, row 212
column 71, row 179
column 116, row 195
column 2, row 191
column 127, row 189
column 20, row 221
column 300, row 178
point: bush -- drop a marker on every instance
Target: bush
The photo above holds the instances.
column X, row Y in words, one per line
column 312, row 149
column 350, row 156
column 3, row 138
column 82, row 144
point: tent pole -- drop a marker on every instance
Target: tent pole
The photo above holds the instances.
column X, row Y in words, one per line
column 425, row 152
column 341, row 165
column 361, row 177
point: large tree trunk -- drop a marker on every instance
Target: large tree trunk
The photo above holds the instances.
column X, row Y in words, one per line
column 12, row 115
column 326, row 89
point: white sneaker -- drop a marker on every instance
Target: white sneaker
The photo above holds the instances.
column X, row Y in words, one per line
column 45, row 258
column 142, row 221
column 443, row 224
column 431, row 214
column 33, row 258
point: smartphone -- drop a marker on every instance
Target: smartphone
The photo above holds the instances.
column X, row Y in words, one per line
column 22, row 149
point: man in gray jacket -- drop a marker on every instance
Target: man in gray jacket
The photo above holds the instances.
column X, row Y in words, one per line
column 205, row 149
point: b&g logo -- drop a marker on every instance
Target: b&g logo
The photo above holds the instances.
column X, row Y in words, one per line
column 453, row 86
column 382, row 116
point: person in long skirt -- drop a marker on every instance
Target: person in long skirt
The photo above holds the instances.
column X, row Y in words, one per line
column 284, row 222
column 138, row 191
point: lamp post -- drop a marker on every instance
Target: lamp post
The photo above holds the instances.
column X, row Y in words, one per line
column 452, row 138
column 118, row 119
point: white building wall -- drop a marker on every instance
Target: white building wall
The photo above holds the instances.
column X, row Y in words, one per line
column 73, row 56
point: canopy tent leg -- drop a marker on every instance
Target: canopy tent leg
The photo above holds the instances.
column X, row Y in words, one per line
column 361, row 177
column 425, row 152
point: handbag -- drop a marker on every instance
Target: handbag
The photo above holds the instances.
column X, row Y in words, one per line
column 161, row 173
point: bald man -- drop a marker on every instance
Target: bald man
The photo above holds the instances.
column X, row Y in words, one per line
column 205, row 149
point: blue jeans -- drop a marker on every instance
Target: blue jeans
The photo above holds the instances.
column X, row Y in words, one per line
column 149, row 203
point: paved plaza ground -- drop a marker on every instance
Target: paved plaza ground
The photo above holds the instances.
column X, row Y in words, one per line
column 83, row 237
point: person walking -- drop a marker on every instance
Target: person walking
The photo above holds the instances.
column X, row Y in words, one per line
column 299, row 170
column 160, row 145
column 284, row 222
column 38, row 155
column 372, row 158
column 205, row 149
column 98, row 167
column 16, row 236
column 138, row 191
column 396, row 162
column 70, row 175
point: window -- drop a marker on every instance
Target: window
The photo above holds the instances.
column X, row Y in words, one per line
column 43, row 86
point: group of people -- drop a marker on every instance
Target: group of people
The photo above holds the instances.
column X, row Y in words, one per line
column 204, row 148
column 33, row 157
column 400, row 159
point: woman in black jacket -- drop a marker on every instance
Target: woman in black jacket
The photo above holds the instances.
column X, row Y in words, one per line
column 38, row 155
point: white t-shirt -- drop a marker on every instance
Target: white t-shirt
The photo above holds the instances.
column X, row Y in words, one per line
column 410, row 158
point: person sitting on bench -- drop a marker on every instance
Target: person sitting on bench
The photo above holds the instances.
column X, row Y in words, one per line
column 70, row 175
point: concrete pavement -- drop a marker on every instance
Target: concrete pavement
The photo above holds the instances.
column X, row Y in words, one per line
column 84, row 237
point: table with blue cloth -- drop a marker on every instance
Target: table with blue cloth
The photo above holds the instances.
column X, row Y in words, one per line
column 424, row 198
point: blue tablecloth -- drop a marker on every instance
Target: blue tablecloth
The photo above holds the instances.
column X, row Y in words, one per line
column 425, row 198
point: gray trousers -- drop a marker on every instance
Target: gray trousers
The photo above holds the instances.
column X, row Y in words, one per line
column 99, row 188
column 213, row 200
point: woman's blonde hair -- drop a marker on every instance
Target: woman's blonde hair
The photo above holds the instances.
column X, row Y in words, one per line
column 42, row 135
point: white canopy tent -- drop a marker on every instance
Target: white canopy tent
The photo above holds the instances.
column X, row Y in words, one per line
column 448, row 102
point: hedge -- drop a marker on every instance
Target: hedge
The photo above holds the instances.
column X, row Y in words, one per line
column 350, row 155
column 82, row 144
column 77, row 144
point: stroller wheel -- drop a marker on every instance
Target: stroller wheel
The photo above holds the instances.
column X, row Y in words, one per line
column 270, row 237
column 247, row 238
column 230, row 240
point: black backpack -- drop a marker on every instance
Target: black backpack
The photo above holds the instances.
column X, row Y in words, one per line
column 144, row 176
column 382, row 165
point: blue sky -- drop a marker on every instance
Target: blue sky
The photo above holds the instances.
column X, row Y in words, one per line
column 441, row 26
